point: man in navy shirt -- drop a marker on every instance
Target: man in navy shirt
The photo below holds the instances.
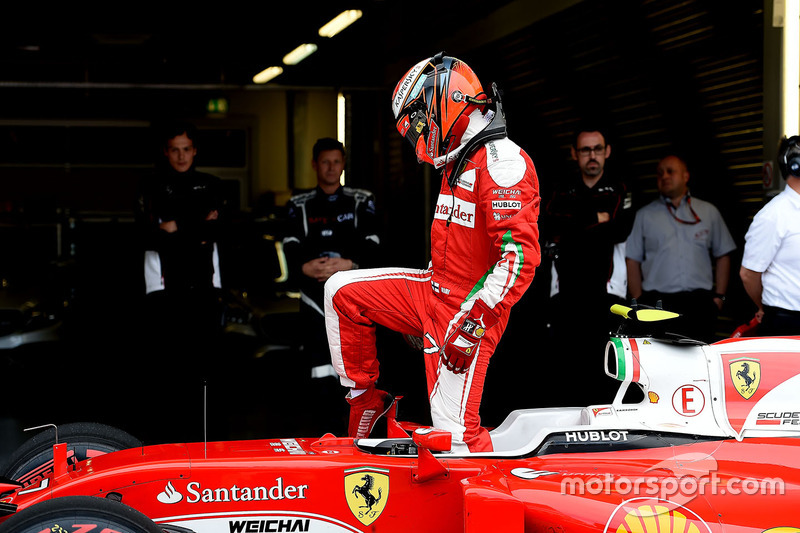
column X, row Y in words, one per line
column 331, row 228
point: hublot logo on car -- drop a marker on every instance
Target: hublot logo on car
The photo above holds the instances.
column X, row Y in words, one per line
column 596, row 436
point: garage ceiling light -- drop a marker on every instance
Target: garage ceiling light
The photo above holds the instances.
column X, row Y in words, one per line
column 267, row 74
column 299, row 54
column 340, row 22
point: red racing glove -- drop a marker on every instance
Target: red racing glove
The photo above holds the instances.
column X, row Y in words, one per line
column 462, row 345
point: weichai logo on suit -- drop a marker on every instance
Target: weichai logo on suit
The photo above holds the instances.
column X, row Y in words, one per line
column 456, row 210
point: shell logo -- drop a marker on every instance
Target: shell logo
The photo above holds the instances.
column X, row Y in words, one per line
column 654, row 516
column 653, row 397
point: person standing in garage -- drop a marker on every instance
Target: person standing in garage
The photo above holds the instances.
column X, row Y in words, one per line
column 771, row 261
column 678, row 253
column 330, row 228
column 180, row 211
column 586, row 222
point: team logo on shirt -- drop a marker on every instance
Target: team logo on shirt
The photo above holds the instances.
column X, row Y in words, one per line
column 467, row 180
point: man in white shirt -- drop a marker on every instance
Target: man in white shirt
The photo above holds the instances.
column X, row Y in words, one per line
column 770, row 269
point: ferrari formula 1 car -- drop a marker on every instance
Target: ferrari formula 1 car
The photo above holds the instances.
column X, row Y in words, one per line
column 700, row 438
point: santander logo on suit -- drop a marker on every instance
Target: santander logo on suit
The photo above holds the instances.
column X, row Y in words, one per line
column 462, row 213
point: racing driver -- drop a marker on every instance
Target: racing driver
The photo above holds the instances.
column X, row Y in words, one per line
column 484, row 250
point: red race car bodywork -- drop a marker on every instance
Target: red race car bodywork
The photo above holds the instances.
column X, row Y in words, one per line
column 710, row 445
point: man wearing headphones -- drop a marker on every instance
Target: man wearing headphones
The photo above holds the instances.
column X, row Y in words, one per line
column 771, row 261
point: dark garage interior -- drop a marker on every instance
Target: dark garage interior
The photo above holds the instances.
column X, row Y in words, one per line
column 76, row 136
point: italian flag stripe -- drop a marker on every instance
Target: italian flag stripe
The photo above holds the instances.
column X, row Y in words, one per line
column 514, row 258
column 370, row 468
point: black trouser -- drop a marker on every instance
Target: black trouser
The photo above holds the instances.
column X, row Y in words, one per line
column 325, row 407
column 778, row 321
column 314, row 339
column 582, row 325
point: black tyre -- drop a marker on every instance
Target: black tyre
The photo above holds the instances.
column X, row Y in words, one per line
column 33, row 461
column 88, row 514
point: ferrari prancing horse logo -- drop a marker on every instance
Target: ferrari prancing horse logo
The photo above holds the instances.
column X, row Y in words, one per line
column 366, row 490
column 746, row 375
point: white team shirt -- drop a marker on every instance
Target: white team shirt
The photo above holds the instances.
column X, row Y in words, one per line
column 772, row 246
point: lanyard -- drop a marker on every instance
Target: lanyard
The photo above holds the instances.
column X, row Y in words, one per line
column 672, row 211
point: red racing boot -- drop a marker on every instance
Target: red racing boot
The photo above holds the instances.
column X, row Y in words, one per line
column 365, row 410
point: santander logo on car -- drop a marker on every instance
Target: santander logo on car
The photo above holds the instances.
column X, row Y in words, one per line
column 169, row 495
column 196, row 493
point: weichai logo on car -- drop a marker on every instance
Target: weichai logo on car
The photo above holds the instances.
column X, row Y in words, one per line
column 195, row 492
column 270, row 525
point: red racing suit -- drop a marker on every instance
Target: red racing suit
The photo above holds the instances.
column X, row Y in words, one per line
column 484, row 245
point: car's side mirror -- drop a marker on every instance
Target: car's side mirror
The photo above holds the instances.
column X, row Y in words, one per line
column 431, row 440
column 435, row 440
